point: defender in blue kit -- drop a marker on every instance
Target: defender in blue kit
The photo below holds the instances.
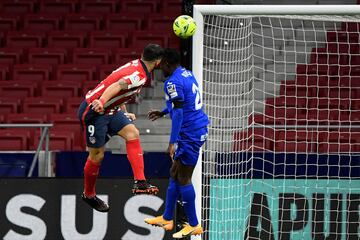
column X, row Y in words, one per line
column 188, row 134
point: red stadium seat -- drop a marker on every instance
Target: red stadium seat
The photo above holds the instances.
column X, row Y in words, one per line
column 349, row 71
column 47, row 55
column 350, row 27
column 317, row 69
column 324, row 103
column 355, row 60
column 322, row 56
column 289, row 88
column 295, row 141
column 107, row 39
column 70, row 122
column 26, row 118
column 343, row 37
column 312, row 81
column 355, row 71
column 32, row 71
column 338, row 142
column 58, row 6
column 19, row 89
column 10, row 55
column 24, row 39
column 353, row 81
column 61, row 89
column 94, row 56
column 343, row 48
column 105, row 70
column 60, row 140
column 75, row 72
column 103, row 7
column 116, row 22
column 4, row 71
column 14, row 139
column 17, row 7
column 141, row 38
column 66, row 39
column 355, row 117
column 9, row 105
column 139, row 6
column 43, row 105
column 257, row 139
column 288, row 101
column 344, row 82
column 9, row 22
column 172, row 7
column 174, row 41
column 42, row 22
column 123, row 56
column 337, row 92
column 162, row 21
column 326, row 117
column 82, row 22
column 284, row 114
column 89, row 86
column 72, row 104
column 63, row 120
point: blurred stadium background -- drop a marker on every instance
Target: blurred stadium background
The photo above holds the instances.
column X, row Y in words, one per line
column 53, row 51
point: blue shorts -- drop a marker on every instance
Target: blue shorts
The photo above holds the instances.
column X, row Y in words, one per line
column 98, row 128
column 188, row 146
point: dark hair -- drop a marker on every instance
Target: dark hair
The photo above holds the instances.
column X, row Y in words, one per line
column 152, row 52
column 171, row 56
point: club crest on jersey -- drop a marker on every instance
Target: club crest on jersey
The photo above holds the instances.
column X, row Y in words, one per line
column 92, row 140
column 134, row 78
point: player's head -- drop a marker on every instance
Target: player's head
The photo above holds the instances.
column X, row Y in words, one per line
column 152, row 54
column 170, row 61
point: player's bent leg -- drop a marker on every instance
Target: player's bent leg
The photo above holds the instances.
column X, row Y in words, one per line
column 91, row 172
column 135, row 155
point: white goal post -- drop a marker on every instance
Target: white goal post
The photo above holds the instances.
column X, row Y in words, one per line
column 259, row 75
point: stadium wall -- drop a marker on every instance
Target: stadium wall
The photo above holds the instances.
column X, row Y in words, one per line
column 50, row 208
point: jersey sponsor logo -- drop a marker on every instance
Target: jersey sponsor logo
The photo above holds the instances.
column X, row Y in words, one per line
column 171, row 89
column 134, row 78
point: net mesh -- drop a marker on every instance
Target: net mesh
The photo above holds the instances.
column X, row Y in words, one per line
column 282, row 159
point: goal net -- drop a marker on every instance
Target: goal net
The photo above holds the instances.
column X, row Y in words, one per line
column 282, row 93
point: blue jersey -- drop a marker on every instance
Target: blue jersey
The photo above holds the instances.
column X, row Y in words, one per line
column 182, row 86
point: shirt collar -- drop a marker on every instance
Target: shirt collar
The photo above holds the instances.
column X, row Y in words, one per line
column 148, row 75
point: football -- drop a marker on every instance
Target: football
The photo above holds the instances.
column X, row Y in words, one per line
column 184, row 26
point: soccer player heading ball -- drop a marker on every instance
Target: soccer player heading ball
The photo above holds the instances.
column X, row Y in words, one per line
column 103, row 114
column 189, row 132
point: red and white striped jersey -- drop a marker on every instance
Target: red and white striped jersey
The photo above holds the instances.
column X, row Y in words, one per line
column 135, row 69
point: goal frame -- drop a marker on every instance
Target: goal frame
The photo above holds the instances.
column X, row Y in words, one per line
column 263, row 10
